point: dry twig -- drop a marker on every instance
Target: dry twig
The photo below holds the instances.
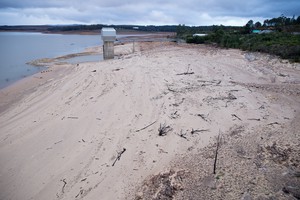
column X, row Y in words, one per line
column 164, row 129
column 119, row 156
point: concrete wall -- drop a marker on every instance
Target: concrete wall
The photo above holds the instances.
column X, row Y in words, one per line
column 108, row 50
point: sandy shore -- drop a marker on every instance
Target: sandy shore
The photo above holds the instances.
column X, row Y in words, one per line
column 62, row 129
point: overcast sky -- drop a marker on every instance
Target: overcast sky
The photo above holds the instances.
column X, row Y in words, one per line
column 143, row 12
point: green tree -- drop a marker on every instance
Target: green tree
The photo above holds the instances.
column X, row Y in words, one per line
column 257, row 24
column 248, row 27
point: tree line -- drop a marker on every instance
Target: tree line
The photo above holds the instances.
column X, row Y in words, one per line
column 283, row 38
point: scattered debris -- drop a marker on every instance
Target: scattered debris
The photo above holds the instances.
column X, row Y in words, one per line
column 203, row 117
column 174, row 115
column 234, row 115
column 162, row 151
column 145, row 127
column 119, row 156
column 94, row 70
column 80, row 193
column 65, row 183
column 58, row 142
column 164, row 129
column 254, row 119
column 183, row 135
column 216, row 153
column 118, row 69
column 198, row 131
column 83, row 140
column 186, row 73
column 273, row 123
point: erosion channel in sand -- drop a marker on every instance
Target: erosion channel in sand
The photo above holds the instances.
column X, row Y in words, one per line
column 144, row 125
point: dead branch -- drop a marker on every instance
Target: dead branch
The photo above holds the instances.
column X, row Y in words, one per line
column 234, row 115
column 58, row 142
column 273, row 123
column 164, row 129
column 216, row 153
column 198, row 131
column 65, row 183
column 119, row 156
column 229, row 97
column 186, row 73
column 145, row 127
column 182, row 135
column 255, row 119
column 203, row 117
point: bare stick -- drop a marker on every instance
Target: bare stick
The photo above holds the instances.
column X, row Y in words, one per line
column 187, row 72
column 234, row 115
column 216, row 154
column 119, row 156
column 273, row 123
column 182, row 135
column 65, row 183
column 198, row 131
column 58, row 142
column 203, row 117
column 145, row 127
column 254, row 119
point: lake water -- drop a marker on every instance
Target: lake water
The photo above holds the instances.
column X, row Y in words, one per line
column 18, row 48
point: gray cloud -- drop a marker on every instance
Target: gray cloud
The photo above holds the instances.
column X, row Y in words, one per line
column 191, row 12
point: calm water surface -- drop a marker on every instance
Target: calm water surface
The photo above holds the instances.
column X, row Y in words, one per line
column 18, row 48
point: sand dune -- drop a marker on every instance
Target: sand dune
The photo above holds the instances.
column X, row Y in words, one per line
column 59, row 139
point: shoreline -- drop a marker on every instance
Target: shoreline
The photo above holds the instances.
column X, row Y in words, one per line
column 165, row 104
column 123, row 37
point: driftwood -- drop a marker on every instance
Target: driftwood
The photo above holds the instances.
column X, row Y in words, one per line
column 145, row 127
column 58, row 142
column 198, row 131
column 119, row 156
column 216, row 153
column 186, row 73
column 164, row 129
column 255, row 119
column 234, row 115
column 65, row 183
column 273, row 123
column 203, row 117
column 182, row 135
